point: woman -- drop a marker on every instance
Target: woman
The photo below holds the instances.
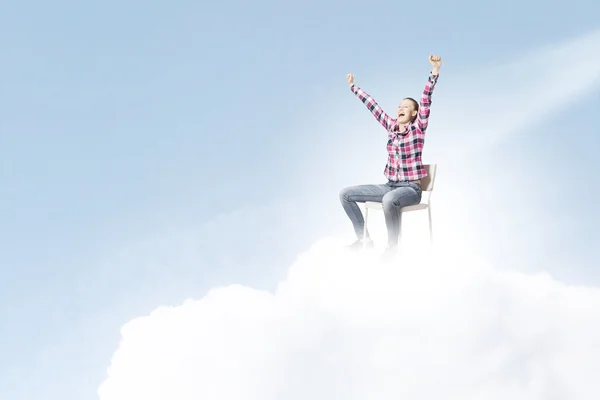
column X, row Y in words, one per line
column 404, row 168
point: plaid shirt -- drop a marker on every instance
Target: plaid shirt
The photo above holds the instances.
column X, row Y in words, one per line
column 404, row 147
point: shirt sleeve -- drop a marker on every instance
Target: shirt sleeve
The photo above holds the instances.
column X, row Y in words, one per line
column 372, row 106
column 425, row 103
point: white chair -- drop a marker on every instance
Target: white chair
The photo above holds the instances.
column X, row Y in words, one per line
column 426, row 185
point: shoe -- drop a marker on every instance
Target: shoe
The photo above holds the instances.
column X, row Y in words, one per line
column 359, row 244
column 389, row 253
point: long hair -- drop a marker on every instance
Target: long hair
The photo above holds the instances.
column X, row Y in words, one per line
column 416, row 105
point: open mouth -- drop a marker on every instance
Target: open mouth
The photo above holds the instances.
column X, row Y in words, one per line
column 401, row 115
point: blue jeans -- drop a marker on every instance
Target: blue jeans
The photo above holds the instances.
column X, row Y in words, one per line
column 393, row 196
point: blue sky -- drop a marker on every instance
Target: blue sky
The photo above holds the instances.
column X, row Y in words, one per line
column 145, row 148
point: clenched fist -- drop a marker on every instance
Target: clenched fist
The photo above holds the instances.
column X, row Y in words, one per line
column 436, row 63
column 350, row 79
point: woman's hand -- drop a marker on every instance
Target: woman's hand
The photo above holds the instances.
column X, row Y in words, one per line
column 350, row 79
column 436, row 63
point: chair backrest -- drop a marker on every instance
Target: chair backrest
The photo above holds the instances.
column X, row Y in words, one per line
column 429, row 180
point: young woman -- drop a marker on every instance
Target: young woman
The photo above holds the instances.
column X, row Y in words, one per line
column 404, row 168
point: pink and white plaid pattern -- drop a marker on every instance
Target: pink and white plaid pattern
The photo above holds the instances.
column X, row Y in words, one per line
column 404, row 147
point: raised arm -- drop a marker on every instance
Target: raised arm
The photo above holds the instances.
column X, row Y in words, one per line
column 425, row 103
column 371, row 104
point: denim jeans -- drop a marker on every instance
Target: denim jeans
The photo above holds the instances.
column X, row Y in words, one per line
column 393, row 196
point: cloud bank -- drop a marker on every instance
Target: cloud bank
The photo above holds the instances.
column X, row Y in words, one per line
column 344, row 326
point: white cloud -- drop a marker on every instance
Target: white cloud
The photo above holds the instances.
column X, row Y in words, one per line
column 344, row 326
column 341, row 327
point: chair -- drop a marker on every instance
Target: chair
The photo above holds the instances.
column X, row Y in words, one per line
column 427, row 186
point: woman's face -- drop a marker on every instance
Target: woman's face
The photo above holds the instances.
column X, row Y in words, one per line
column 406, row 111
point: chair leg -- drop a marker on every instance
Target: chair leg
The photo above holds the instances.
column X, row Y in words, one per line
column 365, row 225
column 430, row 225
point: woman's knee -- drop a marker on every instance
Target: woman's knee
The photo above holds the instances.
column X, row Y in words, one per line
column 345, row 194
column 388, row 201
column 400, row 198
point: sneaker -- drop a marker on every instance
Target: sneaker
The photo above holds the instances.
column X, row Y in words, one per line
column 359, row 244
column 389, row 253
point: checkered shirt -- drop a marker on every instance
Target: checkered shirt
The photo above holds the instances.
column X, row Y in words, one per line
column 404, row 147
